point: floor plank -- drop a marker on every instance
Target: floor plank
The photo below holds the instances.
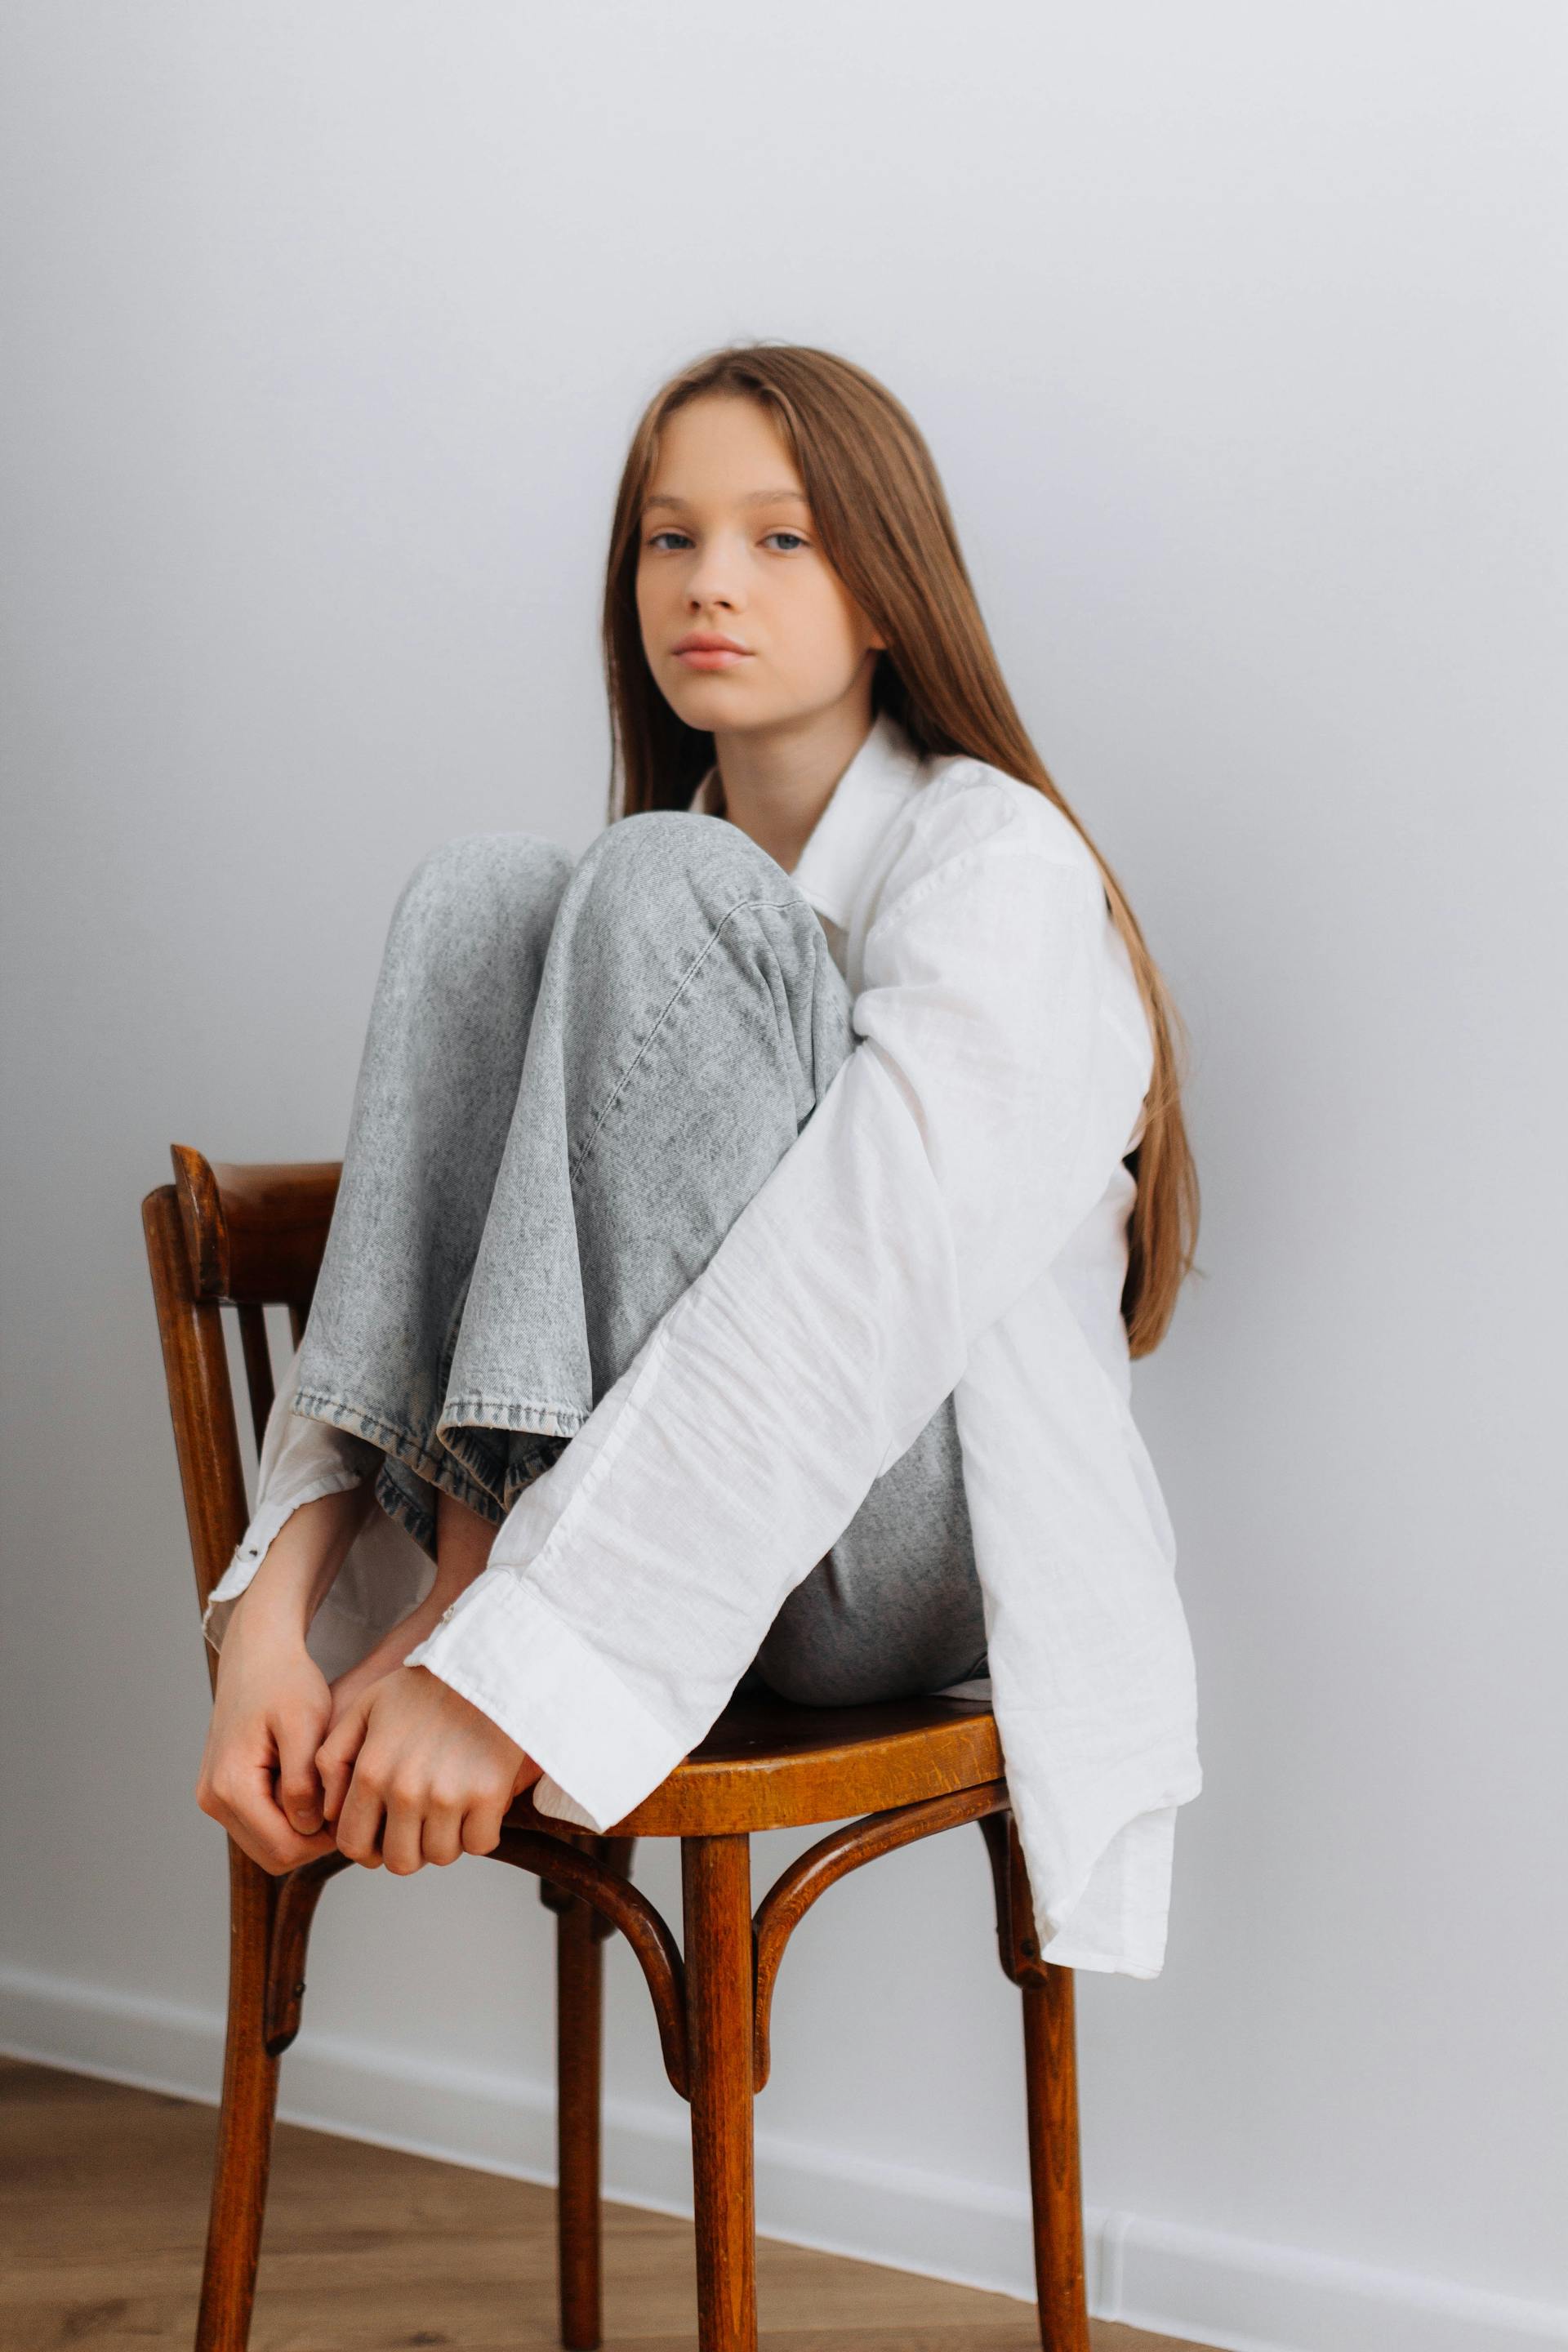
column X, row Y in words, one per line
column 103, row 2213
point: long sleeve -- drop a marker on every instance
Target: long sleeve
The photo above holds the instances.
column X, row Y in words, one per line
column 959, row 1146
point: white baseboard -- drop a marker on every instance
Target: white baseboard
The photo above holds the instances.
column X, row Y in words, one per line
column 1178, row 2281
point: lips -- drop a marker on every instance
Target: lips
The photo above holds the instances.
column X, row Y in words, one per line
column 703, row 652
column 706, row 641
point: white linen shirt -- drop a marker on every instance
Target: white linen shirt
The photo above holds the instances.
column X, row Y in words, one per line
column 952, row 1217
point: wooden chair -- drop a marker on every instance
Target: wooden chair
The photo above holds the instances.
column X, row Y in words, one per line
column 246, row 1237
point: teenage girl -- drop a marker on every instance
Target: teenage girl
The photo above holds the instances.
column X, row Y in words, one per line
column 744, row 1231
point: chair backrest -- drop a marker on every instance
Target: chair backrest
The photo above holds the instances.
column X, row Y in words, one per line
column 245, row 1237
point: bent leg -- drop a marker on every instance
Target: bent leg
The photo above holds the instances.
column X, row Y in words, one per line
column 437, row 1088
column 689, row 1020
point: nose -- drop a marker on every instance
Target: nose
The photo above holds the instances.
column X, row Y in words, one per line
column 714, row 579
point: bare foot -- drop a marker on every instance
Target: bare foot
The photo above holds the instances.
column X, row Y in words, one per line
column 463, row 1540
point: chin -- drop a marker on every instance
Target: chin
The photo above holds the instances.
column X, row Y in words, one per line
column 710, row 710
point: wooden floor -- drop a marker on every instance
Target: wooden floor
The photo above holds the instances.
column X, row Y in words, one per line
column 103, row 2212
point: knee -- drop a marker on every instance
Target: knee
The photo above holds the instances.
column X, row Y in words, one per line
column 642, row 872
column 476, row 875
column 626, row 863
column 477, row 912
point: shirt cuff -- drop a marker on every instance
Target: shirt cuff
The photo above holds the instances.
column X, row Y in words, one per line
column 1118, row 1922
column 505, row 1650
column 253, row 1546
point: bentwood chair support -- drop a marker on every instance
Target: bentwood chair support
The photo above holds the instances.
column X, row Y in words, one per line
column 246, row 1237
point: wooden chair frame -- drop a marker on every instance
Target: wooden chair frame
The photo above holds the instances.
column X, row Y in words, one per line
column 246, row 1237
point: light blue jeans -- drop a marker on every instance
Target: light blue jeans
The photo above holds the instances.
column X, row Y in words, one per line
column 576, row 1074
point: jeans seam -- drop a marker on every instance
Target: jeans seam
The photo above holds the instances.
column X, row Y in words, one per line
column 740, row 907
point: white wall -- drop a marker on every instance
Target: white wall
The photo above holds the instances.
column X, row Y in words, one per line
column 1238, row 333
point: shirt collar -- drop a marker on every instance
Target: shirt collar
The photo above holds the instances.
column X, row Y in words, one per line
column 878, row 779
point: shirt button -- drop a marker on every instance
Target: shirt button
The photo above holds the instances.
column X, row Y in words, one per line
column 449, row 1612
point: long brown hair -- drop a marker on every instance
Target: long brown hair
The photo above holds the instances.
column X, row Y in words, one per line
column 882, row 516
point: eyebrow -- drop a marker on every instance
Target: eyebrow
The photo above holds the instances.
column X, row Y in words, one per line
column 756, row 499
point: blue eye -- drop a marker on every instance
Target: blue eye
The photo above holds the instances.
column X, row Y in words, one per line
column 669, row 532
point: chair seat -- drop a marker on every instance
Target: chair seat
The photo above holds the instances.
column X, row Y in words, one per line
column 252, row 1237
column 767, row 1764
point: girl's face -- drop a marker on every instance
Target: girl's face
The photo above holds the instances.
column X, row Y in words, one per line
column 729, row 550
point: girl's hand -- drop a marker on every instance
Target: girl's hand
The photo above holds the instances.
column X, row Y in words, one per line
column 412, row 1773
column 270, row 1711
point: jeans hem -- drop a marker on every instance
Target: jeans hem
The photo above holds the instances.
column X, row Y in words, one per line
column 502, row 1474
column 436, row 1469
column 401, row 1508
column 513, row 1413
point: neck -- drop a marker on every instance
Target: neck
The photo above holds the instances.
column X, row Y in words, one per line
column 776, row 781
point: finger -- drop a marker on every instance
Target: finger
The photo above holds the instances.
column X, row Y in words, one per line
column 238, row 1796
column 299, row 1791
column 481, row 1824
column 401, row 1841
column 359, row 1823
column 441, row 1838
column 337, row 1756
column 248, row 1811
column 344, row 1737
column 277, row 1856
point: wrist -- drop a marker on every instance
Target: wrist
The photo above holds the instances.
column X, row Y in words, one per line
column 463, row 1541
column 273, row 1609
column 452, row 1582
column 300, row 1564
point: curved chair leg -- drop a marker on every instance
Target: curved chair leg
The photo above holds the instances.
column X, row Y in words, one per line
column 579, row 2043
column 716, row 1881
column 1050, row 2074
column 245, row 2118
